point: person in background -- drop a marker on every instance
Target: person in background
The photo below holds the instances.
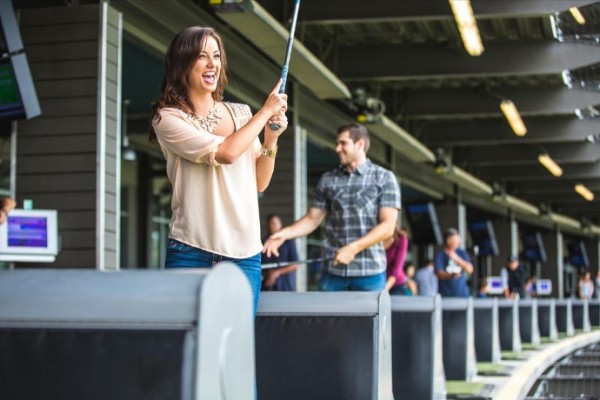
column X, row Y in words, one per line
column 513, row 280
column 359, row 202
column 483, row 288
column 531, row 287
column 396, row 248
column 452, row 264
column 283, row 278
column 7, row 204
column 585, row 288
column 427, row 282
column 409, row 271
column 597, row 285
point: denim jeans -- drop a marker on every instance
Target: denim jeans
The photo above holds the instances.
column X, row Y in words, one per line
column 181, row 255
column 371, row 283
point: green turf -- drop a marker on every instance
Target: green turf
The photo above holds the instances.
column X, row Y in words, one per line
column 509, row 355
column 530, row 346
column 462, row 387
column 488, row 368
column 545, row 340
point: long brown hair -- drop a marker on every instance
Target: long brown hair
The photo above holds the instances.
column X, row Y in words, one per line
column 179, row 61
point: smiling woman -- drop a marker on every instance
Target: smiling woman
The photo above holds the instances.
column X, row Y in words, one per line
column 215, row 162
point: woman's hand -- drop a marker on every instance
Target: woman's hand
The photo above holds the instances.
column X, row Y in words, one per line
column 276, row 103
column 281, row 121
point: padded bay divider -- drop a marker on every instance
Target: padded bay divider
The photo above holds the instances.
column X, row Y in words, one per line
column 547, row 318
column 458, row 339
column 324, row 346
column 131, row 335
column 581, row 315
column 594, row 311
column 417, row 364
column 528, row 321
column 510, row 333
column 487, row 338
column 564, row 317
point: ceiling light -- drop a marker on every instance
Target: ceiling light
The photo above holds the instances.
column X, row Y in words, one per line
column 467, row 26
column 513, row 117
column 577, row 15
column 550, row 164
column 584, row 192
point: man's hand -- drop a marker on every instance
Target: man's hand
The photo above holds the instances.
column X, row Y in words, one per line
column 344, row 255
column 272, row 244
column 271, row 277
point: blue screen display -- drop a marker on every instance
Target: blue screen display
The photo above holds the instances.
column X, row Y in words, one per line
column 27, row 232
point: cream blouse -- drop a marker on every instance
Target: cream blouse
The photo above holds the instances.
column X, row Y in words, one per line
column 215, row 207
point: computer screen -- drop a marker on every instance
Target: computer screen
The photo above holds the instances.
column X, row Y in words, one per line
column 495, row 285
column 11, row 105
column 544, row 287
column 424, row 225
column 577, row 254
column 27, row 235
column 482, row 233
column 533, row 247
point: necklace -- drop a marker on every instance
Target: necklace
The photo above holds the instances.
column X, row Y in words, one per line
column 210, row 122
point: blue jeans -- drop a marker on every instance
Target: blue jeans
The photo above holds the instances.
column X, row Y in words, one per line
column 371, row 283
column 181, row 255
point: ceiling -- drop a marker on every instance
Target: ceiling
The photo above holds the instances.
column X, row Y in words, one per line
column 408, row 53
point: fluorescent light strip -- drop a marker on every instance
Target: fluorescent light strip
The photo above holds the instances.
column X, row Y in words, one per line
column 584, row 192
column 467, row 26
column 550, row 164
column 577, row 15
column 513, row 117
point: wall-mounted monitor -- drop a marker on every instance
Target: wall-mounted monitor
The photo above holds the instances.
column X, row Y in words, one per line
column 495, row 285
column 29, row 236
column 482, row 233
column 533, row 247
column 577, row 254
column 424, row 225
column 544, row 287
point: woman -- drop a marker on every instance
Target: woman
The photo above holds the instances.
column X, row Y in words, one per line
column 215, row 161
column 410, row 271
column 585, row 288
column 396, row 248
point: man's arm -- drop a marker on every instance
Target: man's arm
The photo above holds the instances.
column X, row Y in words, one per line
column 440, row 269
column 461, row 262
column 302, row 227
column 383, row 230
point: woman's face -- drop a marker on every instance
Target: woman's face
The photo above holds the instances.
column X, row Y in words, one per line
column 205, row 73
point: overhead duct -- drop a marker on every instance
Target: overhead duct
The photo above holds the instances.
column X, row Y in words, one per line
column 258, row 26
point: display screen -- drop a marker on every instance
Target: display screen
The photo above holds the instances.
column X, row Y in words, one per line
column 10, row 100
column 577, row 254
column 533, row 247
column 484, row 238
column 423, row 224
column 27, row 232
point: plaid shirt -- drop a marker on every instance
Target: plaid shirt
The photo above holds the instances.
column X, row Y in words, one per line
column 352, row 201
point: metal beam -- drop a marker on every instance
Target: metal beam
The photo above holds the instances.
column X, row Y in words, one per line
column 551, row 187
column 496, row 131
column 519, row 155
column 537, row 173
column 392, row 62
column 457, row 104
column 330, row 12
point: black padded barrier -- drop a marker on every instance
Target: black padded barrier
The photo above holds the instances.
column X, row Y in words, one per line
column 594, row 311
column 135, row 335
column 458, row 339
column 510, row 335
column 324, row 346
column 417, row 364
column 547, row 318
column 564, row 317
column 487, row 339
column 528, row 321
column 581, row 315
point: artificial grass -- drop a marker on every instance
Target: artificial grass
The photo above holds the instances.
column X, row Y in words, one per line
column 529, row 346
column 491, row 369
column 462, row 388
column 509, row 355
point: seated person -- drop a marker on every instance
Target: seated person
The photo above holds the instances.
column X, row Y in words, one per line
column 6, row 205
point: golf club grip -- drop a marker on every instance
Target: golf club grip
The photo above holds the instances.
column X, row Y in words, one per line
column 284, row 73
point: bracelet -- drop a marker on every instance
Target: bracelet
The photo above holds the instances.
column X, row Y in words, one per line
column 268, row 153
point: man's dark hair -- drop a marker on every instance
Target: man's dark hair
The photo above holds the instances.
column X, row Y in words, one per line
column 357, row 132
column 449, row 233
column 272, row 215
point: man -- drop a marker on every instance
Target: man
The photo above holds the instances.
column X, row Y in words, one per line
column 427, row 282
column 513, row 279
column 452, row 264
column 359, row 202
column 282, row 278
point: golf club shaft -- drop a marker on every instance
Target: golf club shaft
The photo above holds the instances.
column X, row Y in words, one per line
column 288, row 263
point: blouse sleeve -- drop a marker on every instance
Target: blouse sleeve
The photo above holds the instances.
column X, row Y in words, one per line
column 177, row 134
